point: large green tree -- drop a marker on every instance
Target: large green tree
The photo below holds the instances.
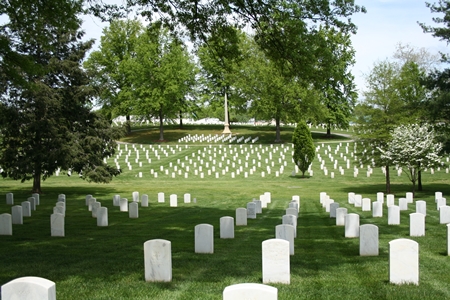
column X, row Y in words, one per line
column 45, row 111
column 109, row 68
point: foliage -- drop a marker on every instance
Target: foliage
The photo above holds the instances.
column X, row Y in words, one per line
column 304, row 151
column 415, row 147
column 45, row 109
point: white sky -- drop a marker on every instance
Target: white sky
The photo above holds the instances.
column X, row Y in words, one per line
column 386, row 23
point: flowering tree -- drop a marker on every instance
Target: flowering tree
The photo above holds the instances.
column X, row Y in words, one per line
column 414, row 147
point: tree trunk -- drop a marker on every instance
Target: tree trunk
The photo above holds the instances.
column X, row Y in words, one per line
column 161, row 129
column 181, row 120
column 128, row 124
column 419, row 180
column 277, row 130
column 414, row 186
column 37, row 182
column 388, row 180
column 328, row 130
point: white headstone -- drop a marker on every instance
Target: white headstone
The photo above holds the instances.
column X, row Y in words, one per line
column 290, row 220
column 444, row 214
column 95, row 206
column 227, row 227
column 144, row 200
column 292, row 211
column 32, row 201
column 366, row 204
column 10, row 199
column 380, row 197
column 123, row 203
column 333, row 207
column 5, row 224
column 441, row 202
column 352, row 225
column 393, row 215
column 258, row 206
column 204, row 238
column 247, row 291
column 448, row 239
column 87, row 199
column 416, row 224
column 102, row 216
column 251, row 210
column 26, row 208
column 421, row 207
column 341, row 212
column 403, row 203
column 269, row 197
column 37, row 198
column 187, row 198
column 160, row 197
column 116, row 200
column 135, row 196
column 403, row 261
column 158, row 260
column 368, row 240
column 17, row 215
column 390, row 200
column 377, row 209
column 409, row 197
column 286, row 232
column 351, row 198
column 173, row 200
column 57, row 224
column 241, row 216
column 358, row 200
column 276, row 261
column 133, row 210
column 29, row 288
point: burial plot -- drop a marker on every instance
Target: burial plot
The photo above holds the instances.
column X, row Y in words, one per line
column 290, row 220
column 393, row 215
column 352, row 225
column 276, row 261
column 377, row 209
column 102, row 216
column 247, row 291
column 5, row 224
column 227, row 228
column 144, row 200
column 286, row 232
column 17, row 215
column 444, row 214
column 251, row 210
column 403, row 261
column 421, row 207
column 173, row 200
column 417, row 224
column 26, row 208
column 29, row 288
column 241, row 216
column 204, row 238
column 133, row 210
column 158, row 260
column 341, row 212
column 10, row 199
column 368, row 240
column 57, row 225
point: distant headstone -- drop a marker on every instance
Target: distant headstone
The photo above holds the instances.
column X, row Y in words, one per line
column 87, row 199
column 135, row 196
column 227, row 228
column 102, row 216
column 377, row 209
column 187, row 198
column 29, row 288
column 204, row 238
column 57, row 225
column 403, row 261
column 133, row 210
column 5, row 224
column 37, row 198
column 116, row 200
column 444, row 214
column 368, row 240
column 61, row 198
column 269, row 197
column 247, row 291
column 421, row 207
column 173, row 200
column 32, row 201
column 380, row 197
column 251, row 210
column 352, row 225
column 123, row 204
column 341, row 212
column 160, row 197
column 393, row 215
column 10, row 199
column 276, row 261
column 241, row 216
column 158, row 260
column 26, row 208
column 286, row 232
column 17, row 214
column 91, row 202
column 258, row 206
column 95, row 206
column 416, row 224
column 144, row 200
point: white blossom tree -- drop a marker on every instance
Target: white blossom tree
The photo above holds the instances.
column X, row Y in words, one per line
column 414, row 147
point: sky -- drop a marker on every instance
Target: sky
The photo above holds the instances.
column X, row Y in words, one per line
column 386, row 24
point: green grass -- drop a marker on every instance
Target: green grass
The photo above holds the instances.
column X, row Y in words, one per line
column 93, row 262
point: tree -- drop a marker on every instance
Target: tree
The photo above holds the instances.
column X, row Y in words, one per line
column 109, row 65
column 304, row 151
column 414, row 147
column 46, row 119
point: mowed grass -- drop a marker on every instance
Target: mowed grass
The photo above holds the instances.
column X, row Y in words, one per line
column 93, row 262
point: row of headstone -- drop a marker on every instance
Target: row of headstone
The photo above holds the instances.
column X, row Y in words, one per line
column 35, row 196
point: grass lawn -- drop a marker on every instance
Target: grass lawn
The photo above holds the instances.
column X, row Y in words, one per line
column 93, row 262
